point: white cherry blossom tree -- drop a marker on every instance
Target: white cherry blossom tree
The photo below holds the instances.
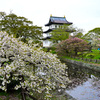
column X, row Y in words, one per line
column 34, row 69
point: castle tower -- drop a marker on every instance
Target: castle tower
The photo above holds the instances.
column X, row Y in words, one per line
column 54, row 23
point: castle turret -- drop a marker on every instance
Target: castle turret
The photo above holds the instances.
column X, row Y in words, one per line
column 54, row 23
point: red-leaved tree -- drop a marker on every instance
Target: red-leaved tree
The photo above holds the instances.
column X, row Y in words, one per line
column 72, row 46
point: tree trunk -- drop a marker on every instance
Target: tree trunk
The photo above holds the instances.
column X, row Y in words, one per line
column 76, row 51
column 23, row 94
column 22, row 90
column 31, row 96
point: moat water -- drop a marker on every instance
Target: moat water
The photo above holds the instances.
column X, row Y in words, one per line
column 85, row 83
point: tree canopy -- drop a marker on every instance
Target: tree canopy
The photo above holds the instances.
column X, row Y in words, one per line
column 61, row 33
column 34, row 69
column 93, row 34
column 72, row 46
column 95, row 30
column 19, row 26
column 78, row 33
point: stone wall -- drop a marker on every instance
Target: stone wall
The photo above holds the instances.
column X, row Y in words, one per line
column 95, row 67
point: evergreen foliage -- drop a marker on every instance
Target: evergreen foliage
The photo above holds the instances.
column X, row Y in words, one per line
column 61, row 33
column 19, row 27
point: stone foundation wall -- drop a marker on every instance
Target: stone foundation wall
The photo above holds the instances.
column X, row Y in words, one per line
column 95, row 67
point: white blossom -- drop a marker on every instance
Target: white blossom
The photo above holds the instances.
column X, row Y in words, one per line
column 40, row 70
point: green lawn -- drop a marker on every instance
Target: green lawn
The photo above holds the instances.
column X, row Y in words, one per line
column 90, row 56
column 95, row 54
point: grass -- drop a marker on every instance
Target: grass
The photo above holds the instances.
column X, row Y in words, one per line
column 94, row 55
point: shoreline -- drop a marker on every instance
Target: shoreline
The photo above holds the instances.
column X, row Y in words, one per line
column 91, row 66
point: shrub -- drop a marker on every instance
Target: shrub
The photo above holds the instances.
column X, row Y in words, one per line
column 90, row 55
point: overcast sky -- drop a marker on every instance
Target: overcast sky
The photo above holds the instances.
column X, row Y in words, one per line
column 84, row 14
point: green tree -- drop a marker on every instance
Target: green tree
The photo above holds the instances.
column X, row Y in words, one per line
column 19, row 26
column 95, row 30
column 96, row 43
column 93, row 34
column 61, row 33
column 78, row 33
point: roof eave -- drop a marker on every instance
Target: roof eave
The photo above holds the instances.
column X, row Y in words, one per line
column 69, row 23
column 49, row 30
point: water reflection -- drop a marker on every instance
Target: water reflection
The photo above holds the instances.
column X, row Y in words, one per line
column 85, row 83
column 95, row 81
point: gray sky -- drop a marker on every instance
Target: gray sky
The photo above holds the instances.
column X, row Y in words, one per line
column 84, row 14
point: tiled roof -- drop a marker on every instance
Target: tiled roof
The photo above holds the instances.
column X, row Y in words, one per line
column 57, row 20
